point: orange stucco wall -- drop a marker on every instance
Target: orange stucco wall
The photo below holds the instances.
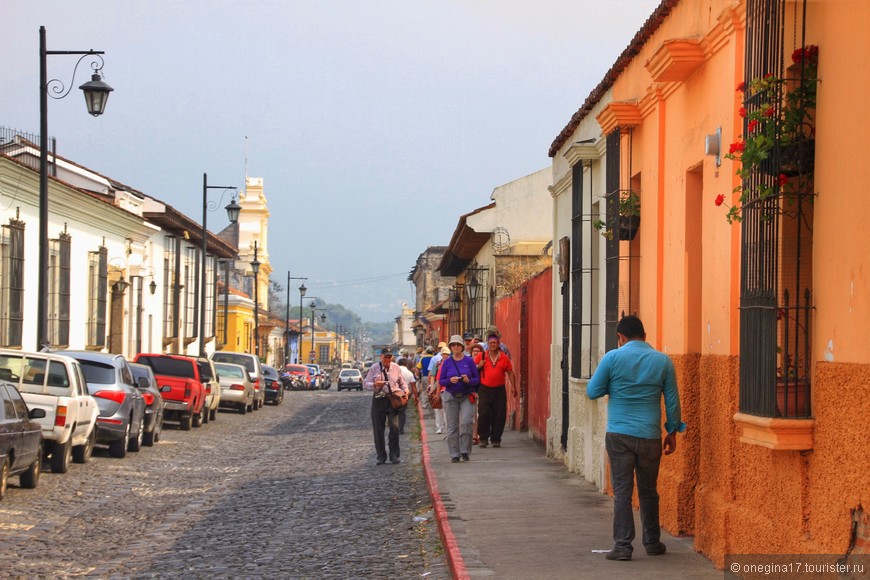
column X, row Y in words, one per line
column 733, row 496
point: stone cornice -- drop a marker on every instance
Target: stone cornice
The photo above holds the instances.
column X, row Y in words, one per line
column 676, row 59
column 619, row 114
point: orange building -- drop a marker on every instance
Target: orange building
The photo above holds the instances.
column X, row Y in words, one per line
column 764, row 318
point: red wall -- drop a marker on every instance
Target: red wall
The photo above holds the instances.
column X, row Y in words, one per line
column 525, row 320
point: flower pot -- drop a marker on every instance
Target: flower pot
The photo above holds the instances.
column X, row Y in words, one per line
column 796, row 158
column 628, row 225
column 796, row 399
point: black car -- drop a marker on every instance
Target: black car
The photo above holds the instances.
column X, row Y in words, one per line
column 153, row 402
column 274, row 386
column 20, row 439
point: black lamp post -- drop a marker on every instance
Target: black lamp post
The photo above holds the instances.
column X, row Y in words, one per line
column 96, row 94
column 473, row 289
column 287, row 316
column 314, row 310
column 255, row 267
column 233, row 210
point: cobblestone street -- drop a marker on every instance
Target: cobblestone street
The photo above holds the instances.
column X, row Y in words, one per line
column 288, row 491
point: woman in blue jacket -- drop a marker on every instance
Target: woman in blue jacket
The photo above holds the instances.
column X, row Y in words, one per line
column 458, row 376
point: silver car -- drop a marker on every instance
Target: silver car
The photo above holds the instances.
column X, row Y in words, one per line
column 121, row 422
column 255, row 371
column 237, row 390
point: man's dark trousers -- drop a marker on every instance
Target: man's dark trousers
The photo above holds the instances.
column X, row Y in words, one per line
column 382, row 412
column 491, row 413
column 629, row 456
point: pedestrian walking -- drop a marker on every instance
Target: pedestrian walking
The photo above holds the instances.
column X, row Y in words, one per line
column 422, row 372
column 459, row 378
column 636, row 376
column 497, row 381
column 476, row 349
column 434, row 367
column 382, row 378
column 405, row 365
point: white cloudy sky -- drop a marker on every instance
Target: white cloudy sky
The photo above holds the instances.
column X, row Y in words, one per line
column 374, row 124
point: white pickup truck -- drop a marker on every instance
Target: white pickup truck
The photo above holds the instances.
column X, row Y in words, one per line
column 56, row 384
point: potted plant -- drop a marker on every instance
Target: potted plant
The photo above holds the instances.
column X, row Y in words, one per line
column 779, row 136
column 628, row 218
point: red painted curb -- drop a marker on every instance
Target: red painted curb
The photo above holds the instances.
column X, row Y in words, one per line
column 454, row 555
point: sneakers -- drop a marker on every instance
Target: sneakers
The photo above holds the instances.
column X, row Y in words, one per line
column 621, row 555
column 485, row 443
column 454, row 460
column 656, row 549
column 496, row 443
column 395, row 460
column 438, row 430
column 465, row 457
column 381, row 461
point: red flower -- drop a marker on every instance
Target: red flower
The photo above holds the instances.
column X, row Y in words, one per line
column 783, row 179
column 741, row 111
column 810, row 53
column 768, row 76
column 737, row 147
column 741, row 86
column 720, row 199
column 770, row 112
column 752, row 125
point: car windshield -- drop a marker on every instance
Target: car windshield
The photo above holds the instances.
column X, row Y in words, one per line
column 173, row 367
column 236, row 359
column 98, row 373
column 230, row 371
column 350, row 373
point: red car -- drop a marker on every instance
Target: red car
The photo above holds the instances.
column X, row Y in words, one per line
column 296, row 377
column 179, row 381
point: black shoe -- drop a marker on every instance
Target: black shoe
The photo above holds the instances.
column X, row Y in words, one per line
column 465, row 457
column 381, row 461
column 621, row 555
column 395, row 460
column 656, row 549
column 496, row 443
column 454, row 460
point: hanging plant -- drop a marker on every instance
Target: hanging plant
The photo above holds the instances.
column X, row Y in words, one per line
column 779, row 135
column 627, row 221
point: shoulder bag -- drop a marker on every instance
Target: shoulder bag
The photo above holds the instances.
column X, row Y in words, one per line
column 398, row 399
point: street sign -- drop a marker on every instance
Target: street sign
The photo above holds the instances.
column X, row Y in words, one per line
column 311, row 355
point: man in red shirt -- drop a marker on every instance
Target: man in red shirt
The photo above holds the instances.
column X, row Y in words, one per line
column 496, row 378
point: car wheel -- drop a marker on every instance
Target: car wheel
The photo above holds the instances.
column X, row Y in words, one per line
column 158, row 429
column 212, row 415
column 30, row 478
column 60, row 456
column 197, row 419
column 205, row 416
column 118, row 447
column 243, row 408
column 135, row 444
column 186, row 422
column 4, row 477
column 82, row 453
column 148, row 438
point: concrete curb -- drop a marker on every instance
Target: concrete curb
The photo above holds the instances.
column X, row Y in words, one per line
column 451, row 546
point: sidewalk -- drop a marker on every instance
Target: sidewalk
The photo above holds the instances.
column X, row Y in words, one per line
column 512, row 512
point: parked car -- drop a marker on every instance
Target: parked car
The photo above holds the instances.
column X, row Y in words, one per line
column 121, row 423
column 179, row 382
column 20, row 439
column 299, row 375
column 55, row 384
column 255, row 370
column 274, row 389
column 350, row 379
column 212, row 386
column 236, row 387
column 153, row 402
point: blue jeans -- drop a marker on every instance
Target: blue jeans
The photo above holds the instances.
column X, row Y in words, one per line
column 630, row 456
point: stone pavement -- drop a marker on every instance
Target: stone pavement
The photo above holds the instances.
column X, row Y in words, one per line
column 512, row 512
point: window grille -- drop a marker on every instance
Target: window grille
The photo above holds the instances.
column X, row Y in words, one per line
column 59, row 290
column 611, row 259
column 584, row 275
column 98, row 284
column 323, row 354
column 170, row 287
column 12, row 289
column 776, row 250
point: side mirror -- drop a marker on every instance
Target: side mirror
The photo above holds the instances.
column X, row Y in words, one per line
column 165, row 389
column 143, row 382
column 37, row 413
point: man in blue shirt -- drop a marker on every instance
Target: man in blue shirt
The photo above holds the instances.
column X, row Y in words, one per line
column 636, row 376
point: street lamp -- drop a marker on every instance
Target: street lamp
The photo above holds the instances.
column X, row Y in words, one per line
column 255, row 267
column 473, row 289
column 314, row 309
column 96, row 94
column 233, row 210
column 302, row 290
column 287, row 316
